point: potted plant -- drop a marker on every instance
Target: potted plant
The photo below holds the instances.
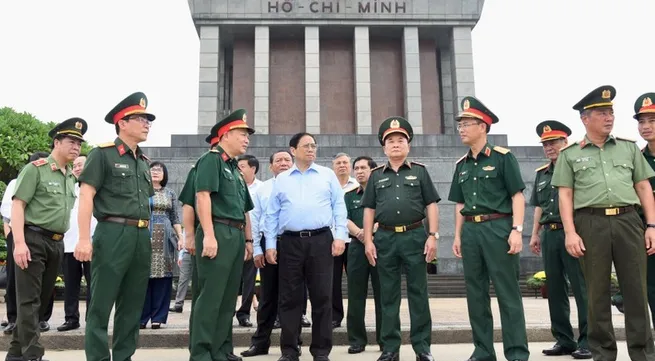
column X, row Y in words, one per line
column 537, row 282
column 59, row 288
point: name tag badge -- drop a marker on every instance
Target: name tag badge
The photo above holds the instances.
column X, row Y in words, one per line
column 383, row 180
column 488, row 168
column 121, row 166
column 410, row 177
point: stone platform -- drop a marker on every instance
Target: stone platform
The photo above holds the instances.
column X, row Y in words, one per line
column 449, row 325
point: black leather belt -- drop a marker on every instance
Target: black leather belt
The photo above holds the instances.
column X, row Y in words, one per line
column 400, row 229
column 52, row 235
column 306, row 233
column 615, row 211
column 230, row 222
column 485, row 217
column 139, row 223
column 553, row 226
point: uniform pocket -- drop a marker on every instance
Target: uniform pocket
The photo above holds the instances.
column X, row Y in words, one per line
column 121, row 179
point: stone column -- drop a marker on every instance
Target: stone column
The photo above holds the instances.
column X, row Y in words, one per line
column 312, row 81
column 412, row 81
column 208, row 78
column 362, row 80
column 448, row 99
column 461, row 65
column 262, row 56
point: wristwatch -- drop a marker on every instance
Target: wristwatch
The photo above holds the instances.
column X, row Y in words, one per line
column 650, row 225
column 518, row 228
column 248, row 240
column 435, row 234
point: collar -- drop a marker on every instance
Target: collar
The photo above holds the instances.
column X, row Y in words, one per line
column 124, row 149
column 405, row 164
column 294, row 168
column 55, row 168
column 360, row 189
column 226, row 158
column 585, row 142
column 647, row 152
column 550, row 168
column 486, row 151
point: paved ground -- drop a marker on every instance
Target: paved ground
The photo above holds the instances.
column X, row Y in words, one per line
column 453, row 352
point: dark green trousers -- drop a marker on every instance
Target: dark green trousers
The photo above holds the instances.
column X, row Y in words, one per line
column 218, row 281
column 359, row 271
column 650, row 286
column 397, row 251
column 120, row 269
column 618, row 239
column 194, row 293
column 484, row 253
column 34, row 287
column 559, row 266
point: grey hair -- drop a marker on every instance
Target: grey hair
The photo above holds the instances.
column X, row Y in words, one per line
column 339, row 155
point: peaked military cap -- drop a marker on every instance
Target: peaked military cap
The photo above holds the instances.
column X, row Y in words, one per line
column 599, row 97
column 236, row 120
column 552, row 129
column 134, row 104
column 73, row 127
column 644, row 104
column 395, row 125
column 473, row 108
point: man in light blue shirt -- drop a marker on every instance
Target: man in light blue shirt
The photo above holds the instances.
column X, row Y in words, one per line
column 305, row 201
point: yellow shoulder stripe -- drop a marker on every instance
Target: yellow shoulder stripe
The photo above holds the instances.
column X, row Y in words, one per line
column 461, row 159
column 106, row 145
column 542, row 167
column 501, row 150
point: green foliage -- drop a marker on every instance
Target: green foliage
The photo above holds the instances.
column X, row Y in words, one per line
column 535, row 283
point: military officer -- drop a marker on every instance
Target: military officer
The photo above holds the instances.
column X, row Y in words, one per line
column 601, row 179
column 488, row 191
column 40, row 215
column 398, row 196
column 548, row 240
column 116, row 185
column 359, row 269
column 223, row 201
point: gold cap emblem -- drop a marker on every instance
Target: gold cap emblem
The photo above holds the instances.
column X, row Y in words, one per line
column 647, row 102
column 395, row 124
column 547, row 129
column 78, row 125
column 466, row 104
column 142, row 103
column 606, row 94
column 244, row 118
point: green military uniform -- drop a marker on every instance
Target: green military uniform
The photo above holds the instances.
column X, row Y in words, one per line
column 218, row 174
column 358, row 272
column 559, row 265
column 120, row 266
column 49, row 195
column 485, row 186
column 604, row 199
column 399, row 199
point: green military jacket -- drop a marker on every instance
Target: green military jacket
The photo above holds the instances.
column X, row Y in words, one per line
column 602, row 177
column 353, row 200
column 48, row 193
column 486, row 184
column 219, row 175
column 651, row 161
column 188, row 193
column 122, row 181
column 545, row 195
column 399, row 198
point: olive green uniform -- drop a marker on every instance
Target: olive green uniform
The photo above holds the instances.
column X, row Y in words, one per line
column 485, row 185
column 120, row 265
column 603, row 181
column 359, row 270
column 212, row 316
column 399, row 199
column 49, row 196
column 559, row 265
column 188, row 197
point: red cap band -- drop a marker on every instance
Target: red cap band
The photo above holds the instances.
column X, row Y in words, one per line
column 477, row 114
column 648, row 109
column 128, row 111
column 553, row 134
column 237, row 124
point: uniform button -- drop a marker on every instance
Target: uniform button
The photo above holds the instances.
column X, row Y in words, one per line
column 552, row 187
column 474, row 193
column 604, row 162
column 551, row 200
column 473, row 207
column 397, row 174
column 607, row 175
column 398, row 212
column 584, row 167
column 474, row 178
column 551, row 213
column 397, row 197
column 397, row 186
column 475, row 163
column 624, row 164
column 487, row 177
column 609, row 189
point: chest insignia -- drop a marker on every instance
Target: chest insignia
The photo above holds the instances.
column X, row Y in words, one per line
column 54, row 184
column 356, row 201
column 121, row 149
column 53, row 166
column 383, row 180
column 121, row 166
column 463, row 173
column 225, row 157
column 542, row 183
column 488, row 168
column 40, row 162
column 410, row 177
column 583, row 159
column 227, row 170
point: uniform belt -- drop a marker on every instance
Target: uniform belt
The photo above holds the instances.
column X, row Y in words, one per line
column 553, row 226
column 400, row 229
column 52, row 235
column 139, row 223
column 615, row 211
column 306, row 233
column 485, row 217
column 230, row 222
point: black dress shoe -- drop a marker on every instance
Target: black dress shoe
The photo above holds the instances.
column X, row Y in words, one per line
column 321, row 358
column 304, row 322
column 176, row 309
column 142, row 326
column 9, row 329
column 424, row 357
column 245, row 322
column 68, row 325
column 4, row 323
column 276, row 324
column 557, row 350
column 288, row 358
column 389, row 356
column 356, row 349
column 336, row 324
column 232, row 357
column 581, row 354
column 44, row 326
column 254, row 351
column 13, row 358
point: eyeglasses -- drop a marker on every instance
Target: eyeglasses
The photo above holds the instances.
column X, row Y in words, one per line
column 309, row 146
column 461, row 126
column 140, row 118
column 156, row 170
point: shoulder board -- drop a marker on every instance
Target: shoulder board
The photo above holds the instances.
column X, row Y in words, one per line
column 461, row 159
column 145, row 157
column 106, row 145
column 40, row 162
column 626, row 139
column 354, row 188
column 542, row 167
column 569, row 145
column 501, row 150
column 378, row 167
column 213, row 150
column 417, row 163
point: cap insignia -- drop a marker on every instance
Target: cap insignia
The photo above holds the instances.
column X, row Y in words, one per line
column 142, row 103
column 395, row 124
column 547, row 129
column 647, row 102
column 606, row 94
column 78, row 125
column 244, row 118
column 466, row 104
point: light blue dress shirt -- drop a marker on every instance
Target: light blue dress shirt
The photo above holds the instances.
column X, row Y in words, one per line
column 304, row 201
column 259, row 200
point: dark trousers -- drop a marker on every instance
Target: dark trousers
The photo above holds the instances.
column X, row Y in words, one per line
column 306, row 261
column 10, row 294
column 247, row 289
column 73, row 272
column 34, row 287
column 340, row 262
column 158, row 298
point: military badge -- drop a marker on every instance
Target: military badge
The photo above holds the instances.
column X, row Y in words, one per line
column 244, row 118
column 78, row 125
column 410, row 177
column 606, row 94
column 488, row 168
column 395, row 124
column 142, row 103
column 547, row 129
column 466, row 104
column 647, row 102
